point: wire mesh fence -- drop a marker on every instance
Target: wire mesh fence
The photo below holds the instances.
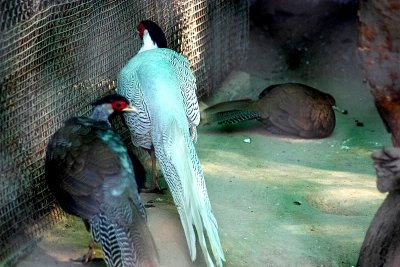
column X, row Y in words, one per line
column 56, row 57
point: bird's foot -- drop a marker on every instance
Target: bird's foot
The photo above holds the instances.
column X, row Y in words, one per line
column 84, row 259
column 89, row 256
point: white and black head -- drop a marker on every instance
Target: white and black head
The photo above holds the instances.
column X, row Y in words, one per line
column 152, row 35
column 108, row 105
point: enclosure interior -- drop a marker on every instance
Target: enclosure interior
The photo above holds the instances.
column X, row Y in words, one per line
column 279, row 200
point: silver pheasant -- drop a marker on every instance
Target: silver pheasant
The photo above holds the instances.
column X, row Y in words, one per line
column 161, row 85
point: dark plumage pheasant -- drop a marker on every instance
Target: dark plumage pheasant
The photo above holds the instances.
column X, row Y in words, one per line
column 289, row 108
column 90, row 173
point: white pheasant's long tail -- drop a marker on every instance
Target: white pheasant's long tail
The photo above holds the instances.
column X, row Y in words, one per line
column 183, row 173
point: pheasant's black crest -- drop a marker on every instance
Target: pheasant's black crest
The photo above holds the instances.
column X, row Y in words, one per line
column 156, row 33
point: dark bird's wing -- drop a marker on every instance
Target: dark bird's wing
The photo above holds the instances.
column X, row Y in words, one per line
column 82, row 166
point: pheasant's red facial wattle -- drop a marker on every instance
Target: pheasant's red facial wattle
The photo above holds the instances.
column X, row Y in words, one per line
column 119, row 105
column 141, row 29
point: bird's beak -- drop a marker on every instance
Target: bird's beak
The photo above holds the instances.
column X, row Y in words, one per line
column 130, row 109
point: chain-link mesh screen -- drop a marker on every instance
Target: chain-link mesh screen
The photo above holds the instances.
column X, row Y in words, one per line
column 56, row 57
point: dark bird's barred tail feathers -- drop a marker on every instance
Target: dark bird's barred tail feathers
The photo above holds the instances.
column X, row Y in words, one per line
column 230, row 112
column 124, row 246
column 234, row 116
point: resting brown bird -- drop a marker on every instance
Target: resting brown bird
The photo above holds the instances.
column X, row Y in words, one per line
column 288, row 108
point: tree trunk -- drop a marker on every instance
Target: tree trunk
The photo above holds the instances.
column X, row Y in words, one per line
column 379, row 50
